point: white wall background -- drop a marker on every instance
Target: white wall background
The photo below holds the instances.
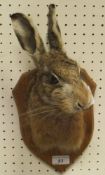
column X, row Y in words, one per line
column 82, row 25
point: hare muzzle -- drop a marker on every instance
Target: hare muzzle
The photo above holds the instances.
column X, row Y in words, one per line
column 85, row 98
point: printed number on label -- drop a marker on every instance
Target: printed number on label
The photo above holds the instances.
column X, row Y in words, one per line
column 61, row 160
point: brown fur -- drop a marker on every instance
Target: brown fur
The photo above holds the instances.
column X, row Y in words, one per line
column 54, row 129
column 50, row 126
column 58, row 94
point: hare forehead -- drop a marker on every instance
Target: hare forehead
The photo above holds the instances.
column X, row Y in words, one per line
column 61, row 65
column 66, row 72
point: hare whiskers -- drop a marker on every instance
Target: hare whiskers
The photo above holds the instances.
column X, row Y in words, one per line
column 55, row 116
column 37, row 111
column 42, row 112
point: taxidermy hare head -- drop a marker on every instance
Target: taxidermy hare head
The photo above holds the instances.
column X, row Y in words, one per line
column 59, row 77
column 58, row 91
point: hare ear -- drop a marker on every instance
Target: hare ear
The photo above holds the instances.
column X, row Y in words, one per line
column 54, row 34
column 29, row 39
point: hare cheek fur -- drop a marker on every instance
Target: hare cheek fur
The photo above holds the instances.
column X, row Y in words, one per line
column 58, row 93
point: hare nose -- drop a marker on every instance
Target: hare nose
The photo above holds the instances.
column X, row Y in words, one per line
column 80, row 106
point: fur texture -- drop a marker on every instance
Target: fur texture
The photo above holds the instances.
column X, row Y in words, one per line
column 59, row 94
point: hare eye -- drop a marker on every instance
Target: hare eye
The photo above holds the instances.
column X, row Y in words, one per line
column 53, row 79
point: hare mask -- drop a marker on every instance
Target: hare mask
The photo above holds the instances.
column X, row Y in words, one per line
column 59, row 81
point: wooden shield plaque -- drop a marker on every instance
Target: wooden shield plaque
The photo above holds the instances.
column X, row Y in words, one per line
column 20, row 93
